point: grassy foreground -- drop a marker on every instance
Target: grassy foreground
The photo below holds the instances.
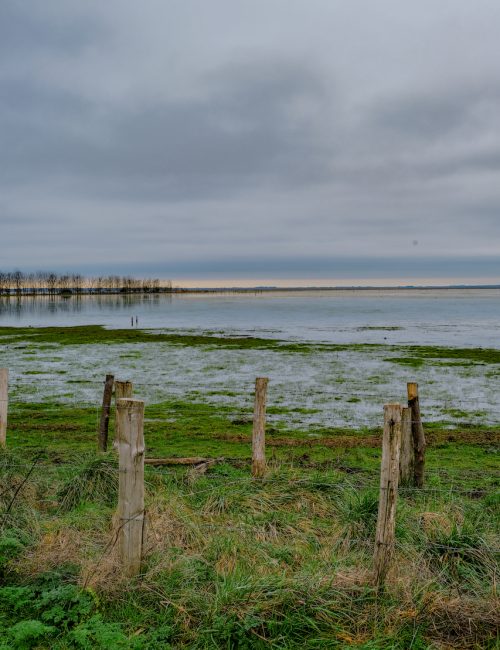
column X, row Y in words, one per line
column 232, row 562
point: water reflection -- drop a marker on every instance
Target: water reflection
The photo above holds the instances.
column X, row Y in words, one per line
column 21, row 307
column 439, row 317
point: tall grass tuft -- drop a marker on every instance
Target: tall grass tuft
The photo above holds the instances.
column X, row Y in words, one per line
column 95, row 481
column 461, row 555
column 357, row 511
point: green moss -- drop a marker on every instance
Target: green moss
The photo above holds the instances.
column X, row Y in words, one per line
column 183, row 428
column 94, row 334
column 416, row 355
column 90, row 334
column 413, row 362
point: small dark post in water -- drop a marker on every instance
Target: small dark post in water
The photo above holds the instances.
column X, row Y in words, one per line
column 418, row 435
column 102, row 442
column 259, row 428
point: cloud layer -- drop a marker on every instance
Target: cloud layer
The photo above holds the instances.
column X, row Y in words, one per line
column 272, row 136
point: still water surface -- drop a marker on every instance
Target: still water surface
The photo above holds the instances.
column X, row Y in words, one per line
column 458, row 317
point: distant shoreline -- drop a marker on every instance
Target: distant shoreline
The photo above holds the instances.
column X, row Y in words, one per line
column 40, row 293
column 272, row 289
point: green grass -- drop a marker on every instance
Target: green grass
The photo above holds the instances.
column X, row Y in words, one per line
column 445, row 355
column 182, row 428
column 28, row 338
column 231, row 562
column 413, row 362
column 93, row 334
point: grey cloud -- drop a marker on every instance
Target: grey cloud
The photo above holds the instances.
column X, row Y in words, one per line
column 180, row 149
column 431, row 134
column 423, row 116
column 293, row 132
column 25, row 99
column 46, row 26
column 313, row 267
column 9, row 220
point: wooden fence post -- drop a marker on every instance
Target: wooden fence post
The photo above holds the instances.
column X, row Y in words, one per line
column 389, row 475
column 102, row 439
column 259, row 428
column 130, row 428
column 418, row 435
column 123, row 389
column 4, row 405
column 407, row 455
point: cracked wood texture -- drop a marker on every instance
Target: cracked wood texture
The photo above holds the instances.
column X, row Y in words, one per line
column 418, row 435
column 389, row 476
column 407, row 456
column 122, row 389
column 130, row 435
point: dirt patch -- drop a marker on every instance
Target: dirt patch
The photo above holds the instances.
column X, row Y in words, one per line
column 338, row 441
column 38, row 426
column 468, row 437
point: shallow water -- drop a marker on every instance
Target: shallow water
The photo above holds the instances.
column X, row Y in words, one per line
column 455, row 317
column 346, row 388
column 322, row 389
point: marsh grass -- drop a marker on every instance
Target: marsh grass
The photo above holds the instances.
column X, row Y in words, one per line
column 357, row 512
column 462, row 555
column 31, row 339
column 234, row 562
column 95, row 480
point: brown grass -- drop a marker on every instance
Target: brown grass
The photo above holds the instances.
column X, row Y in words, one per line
column 463, row 622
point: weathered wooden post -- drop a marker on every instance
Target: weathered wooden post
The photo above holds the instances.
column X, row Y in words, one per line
column 102, row 438
column 407, row 455
column 123, row 389
column 130, row 429
column 389, row 475
column 4, row 405
column 259, row 428
column 418, row 435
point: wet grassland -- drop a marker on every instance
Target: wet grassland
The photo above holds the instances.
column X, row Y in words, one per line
column 232, row 562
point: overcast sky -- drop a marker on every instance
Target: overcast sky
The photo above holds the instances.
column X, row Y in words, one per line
column 259, row 138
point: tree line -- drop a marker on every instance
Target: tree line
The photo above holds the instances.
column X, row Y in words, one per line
column 44, row 282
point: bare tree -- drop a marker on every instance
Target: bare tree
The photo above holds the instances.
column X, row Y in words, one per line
column 52, row 283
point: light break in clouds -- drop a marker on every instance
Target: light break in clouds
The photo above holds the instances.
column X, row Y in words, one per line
column 259, row 138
